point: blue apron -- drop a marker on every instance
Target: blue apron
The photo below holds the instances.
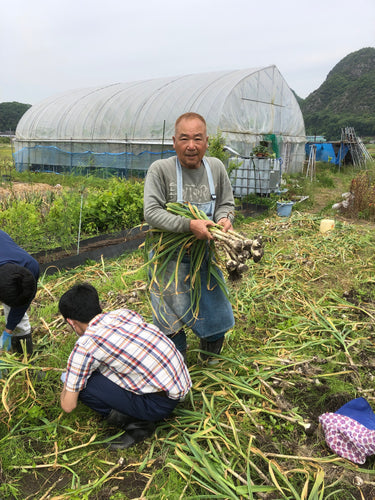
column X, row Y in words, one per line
column 171, row 308
column 209, row 207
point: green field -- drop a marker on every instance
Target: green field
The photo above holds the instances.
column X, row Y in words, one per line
column 5, row 152
column 303, row 345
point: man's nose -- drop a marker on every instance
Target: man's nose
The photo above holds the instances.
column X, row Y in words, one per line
column 191, row 144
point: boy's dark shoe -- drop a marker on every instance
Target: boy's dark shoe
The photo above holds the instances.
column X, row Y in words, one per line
column 210, row 347
column 118, row 419
column 135, row 432
column 18, row 340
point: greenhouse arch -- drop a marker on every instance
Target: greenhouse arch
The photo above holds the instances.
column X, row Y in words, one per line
column 123, row 127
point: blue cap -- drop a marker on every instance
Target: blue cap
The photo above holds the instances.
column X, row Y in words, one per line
column 359, row 409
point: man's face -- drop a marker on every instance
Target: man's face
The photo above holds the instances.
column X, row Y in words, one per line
column 190, row 142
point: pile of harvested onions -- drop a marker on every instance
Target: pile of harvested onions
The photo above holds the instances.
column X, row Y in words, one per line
column 236, row 248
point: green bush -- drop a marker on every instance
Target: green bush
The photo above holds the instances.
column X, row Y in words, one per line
column 41, row 222
column 22, row 221
column 215, row 147
column 61, row 221
column 116, row 208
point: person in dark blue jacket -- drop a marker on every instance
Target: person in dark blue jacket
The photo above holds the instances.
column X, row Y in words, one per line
column 19, row 274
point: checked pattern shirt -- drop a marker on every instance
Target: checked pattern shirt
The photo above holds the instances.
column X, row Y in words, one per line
column 133, row 354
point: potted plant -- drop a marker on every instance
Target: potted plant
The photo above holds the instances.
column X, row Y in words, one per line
column 261, row 151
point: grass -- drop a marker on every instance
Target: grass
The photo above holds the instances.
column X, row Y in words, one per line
column 303, row 344
column 5, row 153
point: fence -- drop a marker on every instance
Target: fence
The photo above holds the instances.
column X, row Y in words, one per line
column 41, row 158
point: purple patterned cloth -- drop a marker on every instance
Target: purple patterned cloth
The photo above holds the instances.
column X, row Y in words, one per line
column 347, row 437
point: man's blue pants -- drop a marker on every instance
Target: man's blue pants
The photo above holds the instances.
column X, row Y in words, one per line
column 103, row 395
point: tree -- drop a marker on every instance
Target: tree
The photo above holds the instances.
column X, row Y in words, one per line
column 215, row 147
column 10, row 114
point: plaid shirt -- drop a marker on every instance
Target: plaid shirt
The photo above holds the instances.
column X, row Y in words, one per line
column 133, row 354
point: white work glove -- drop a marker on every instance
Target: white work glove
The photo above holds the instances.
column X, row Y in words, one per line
column 63, row 377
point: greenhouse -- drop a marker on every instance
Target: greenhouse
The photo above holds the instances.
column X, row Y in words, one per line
column 121, row 129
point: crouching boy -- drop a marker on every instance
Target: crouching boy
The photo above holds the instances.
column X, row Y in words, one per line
column 123, row 368
column 19, row 274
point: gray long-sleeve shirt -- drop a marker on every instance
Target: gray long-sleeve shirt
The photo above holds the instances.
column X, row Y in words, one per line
column 161, row 188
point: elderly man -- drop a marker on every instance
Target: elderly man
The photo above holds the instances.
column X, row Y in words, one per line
column 204, row 182
column 123, row 368
column 19, row 274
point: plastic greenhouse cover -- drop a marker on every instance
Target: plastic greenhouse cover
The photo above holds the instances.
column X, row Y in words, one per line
column 240, row 104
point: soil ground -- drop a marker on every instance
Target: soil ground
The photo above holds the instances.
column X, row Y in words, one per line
column 22, row 189
column 133, row 484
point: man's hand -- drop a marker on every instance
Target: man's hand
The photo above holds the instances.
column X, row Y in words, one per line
column 226, row 224
column 68, row 400
column 199, row 228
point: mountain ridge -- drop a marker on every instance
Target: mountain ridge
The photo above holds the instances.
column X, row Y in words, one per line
column 345, row 98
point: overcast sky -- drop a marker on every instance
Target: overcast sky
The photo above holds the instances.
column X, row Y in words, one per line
column 51, row 46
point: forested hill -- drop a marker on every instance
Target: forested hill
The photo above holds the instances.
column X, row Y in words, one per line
column 10, row 114
column 346, row 98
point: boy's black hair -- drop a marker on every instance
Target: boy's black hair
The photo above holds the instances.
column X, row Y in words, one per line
column 17, row 285
column 81, row 302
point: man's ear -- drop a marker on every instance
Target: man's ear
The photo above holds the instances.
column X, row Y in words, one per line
column 70, row 322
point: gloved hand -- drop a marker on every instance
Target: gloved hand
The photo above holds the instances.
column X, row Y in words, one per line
column 5, row 341
column 63, row 377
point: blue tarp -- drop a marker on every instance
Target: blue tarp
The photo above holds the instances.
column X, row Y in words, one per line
column 326, row 152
